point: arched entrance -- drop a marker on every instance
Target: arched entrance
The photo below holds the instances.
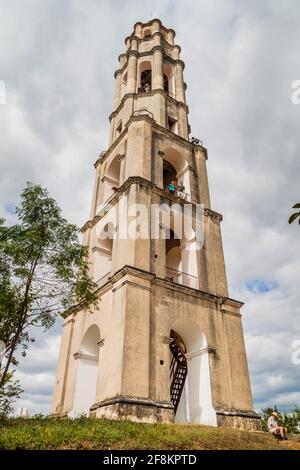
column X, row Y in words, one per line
column 193, row 402
column 87, row 372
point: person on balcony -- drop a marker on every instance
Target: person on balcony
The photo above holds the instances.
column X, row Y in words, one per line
column 147, row 88
column 181, row 187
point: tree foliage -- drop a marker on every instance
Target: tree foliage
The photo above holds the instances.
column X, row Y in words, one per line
column 9, row 393
column 44, row 273
column 295, row 215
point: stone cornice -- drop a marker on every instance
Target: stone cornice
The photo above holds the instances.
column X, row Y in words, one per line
column 104, row 155
column 132, row 401
column 150, row 23
column 213, row 298
column 238, row 413
column 118, row 71
column 155, row 280
column 69, row 319
column 129, row 53
column 180, row 62
column 132, row 37
column 149, row 53
column 116, row 111
column 148, row 184
column 212, row 214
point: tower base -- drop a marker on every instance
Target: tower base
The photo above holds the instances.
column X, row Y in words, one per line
column 245, row 420
column 134, row 409
column 148, row 411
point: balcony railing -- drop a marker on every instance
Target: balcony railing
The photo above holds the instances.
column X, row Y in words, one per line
column 178, row 193
column 182, row 278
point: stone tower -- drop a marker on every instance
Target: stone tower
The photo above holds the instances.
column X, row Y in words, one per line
column 166, row 342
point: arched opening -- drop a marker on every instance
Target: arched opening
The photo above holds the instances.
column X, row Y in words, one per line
column 180, row 251
column 103, row 252
column 194, row 401
column 147, row 33
column 87, row 372
column 146, row 80
column 169, row 176
column 168, row 79
column 173, row 258
column 145, row 84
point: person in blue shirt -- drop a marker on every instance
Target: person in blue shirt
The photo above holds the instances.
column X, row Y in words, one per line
column 171, row 187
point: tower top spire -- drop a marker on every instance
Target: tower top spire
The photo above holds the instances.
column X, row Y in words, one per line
column 149, row 80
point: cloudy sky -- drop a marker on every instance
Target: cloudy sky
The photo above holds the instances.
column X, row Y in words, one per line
column 57, row 60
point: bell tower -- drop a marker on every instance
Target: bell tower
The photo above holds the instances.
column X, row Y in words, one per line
column 166, row 341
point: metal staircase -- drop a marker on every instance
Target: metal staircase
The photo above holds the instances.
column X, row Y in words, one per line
column 178, row 368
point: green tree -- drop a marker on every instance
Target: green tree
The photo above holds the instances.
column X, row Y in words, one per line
column 44, row 273
column 295, row 215
column 9, row 393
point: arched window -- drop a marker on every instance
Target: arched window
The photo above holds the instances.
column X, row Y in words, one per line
column 169, row 174
column 147, row 33
column 173, row 258
column 176, row 167
column 168, row 79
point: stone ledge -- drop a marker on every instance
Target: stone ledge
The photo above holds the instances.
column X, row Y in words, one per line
column 134, row 409
column 245, row 420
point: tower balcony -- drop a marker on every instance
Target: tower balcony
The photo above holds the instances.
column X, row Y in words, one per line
column 172, row 190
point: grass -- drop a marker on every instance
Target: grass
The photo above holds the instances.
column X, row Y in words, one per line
column 87, row 433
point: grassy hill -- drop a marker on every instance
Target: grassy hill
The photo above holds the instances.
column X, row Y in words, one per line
column 85, row 433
